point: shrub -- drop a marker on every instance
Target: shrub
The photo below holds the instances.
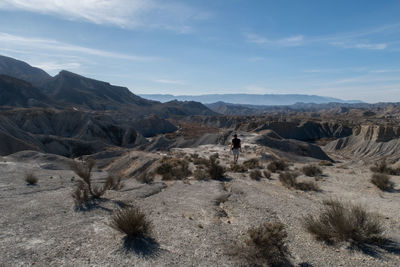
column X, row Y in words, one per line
column 267, row 174
column 200, row 161
column 173, row 169
column 113, row 182
column 132, row 222
column 267, row 244
column 277, row 165
column 255, row 175
column 251, row 163
column 215, row 170
column 382, row 181
column 312, row 170
column 31, row 179
column 325, row 163
column 146, row 178
column 381, row 167
column 307, row 186
column 344, row 222
column 288, row 179
column 237, row 168
column 201, row 174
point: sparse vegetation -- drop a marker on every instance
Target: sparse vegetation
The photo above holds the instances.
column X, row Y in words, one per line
column 85, row 190
column 31, row 179
column 173, row 169
column 382, row 167
column 267, row 174
column 132, row 222
column 289, row 180
column 251, row 163
column 382, row 181
column 237, row 168
column 215, row 170
column 267, row 245
column 312, row 170
column 145, row 177
column 277, row 165
column 344, row 222
column 201, row 174
column 255, row 175
column 325, row 163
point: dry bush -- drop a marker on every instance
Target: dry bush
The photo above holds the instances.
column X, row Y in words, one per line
column 277, row 165
column 31, row 179
column 312, row 170
column 382, row 167
column 288, row 179
column 113, row 182
column 146, row 178
column 201, row 161
column 80, row 194
column 267, row 245
column 267, row 174
column 201, row 174
column 173, row 169
column 252, row 163
column 325, row 163
column 215, row 170
column 382, row 181
column 255, row 175
column 132, row 222
column 307, row 186
column 338, row 222
column 237, row 168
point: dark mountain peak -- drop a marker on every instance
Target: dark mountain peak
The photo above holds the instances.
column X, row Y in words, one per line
column 22, row 70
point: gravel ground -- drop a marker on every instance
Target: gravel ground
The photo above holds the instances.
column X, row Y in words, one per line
column 40, row 227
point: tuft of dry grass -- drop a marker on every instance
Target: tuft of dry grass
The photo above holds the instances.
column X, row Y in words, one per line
column 31, row 179
column 277, row 165
column 312, row 170
column 253, row 163
column 255, row 175
column 382, row 167
column 132, row 222
column 325, row 163
column 382, row 181
column 339, row 221
column 289, row 180
column 267, row 245
column 215, row 170
column 267, row 174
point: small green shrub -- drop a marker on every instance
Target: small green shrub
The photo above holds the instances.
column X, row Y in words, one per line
column 255, row 175
column 382, row 181
column 251, row 163
column 288, row 179
column 338, row 222
column 132, row 222
column 267, row 174
column 215, row 170
column 201, row 174
column 31, row 179
column 277, row 165
column 173, row 169
column 312, row 170
column 267, row 244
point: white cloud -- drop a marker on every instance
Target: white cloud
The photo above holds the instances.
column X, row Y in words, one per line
column 288, row 41
column 166, row 81
column 122, row 13
column 10, row 41
column 54, row 66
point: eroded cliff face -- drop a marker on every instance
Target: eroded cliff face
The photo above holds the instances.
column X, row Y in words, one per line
column 369, row 141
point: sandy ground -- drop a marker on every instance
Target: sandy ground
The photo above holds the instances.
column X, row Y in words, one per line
column 40, row 227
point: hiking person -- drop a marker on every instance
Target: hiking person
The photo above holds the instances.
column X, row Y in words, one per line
column 235, row 148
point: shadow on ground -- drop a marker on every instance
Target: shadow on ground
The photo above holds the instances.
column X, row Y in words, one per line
column 146, row 247
column 378, row 248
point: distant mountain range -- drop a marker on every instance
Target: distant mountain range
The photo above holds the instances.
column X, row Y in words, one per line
column 249, row 99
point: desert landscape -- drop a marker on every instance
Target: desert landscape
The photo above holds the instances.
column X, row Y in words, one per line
column 83, row 184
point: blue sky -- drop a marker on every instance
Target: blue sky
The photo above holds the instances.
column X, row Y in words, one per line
column 347, row 49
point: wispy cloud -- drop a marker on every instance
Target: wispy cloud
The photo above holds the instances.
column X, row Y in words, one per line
column 167, row 15
column 29, row 43
column 166, row 81
column 295, row 40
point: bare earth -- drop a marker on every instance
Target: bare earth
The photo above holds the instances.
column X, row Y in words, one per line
column 40, row 227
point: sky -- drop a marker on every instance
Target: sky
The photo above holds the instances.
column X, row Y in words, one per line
column 349, row 49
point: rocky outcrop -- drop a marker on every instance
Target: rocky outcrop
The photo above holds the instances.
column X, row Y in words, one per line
column 369, row 141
